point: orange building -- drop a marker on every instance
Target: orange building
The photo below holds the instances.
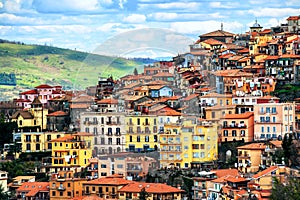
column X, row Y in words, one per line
column 64, row 185
column 107, row 187
column 237, row 127
column 154, row 191
column 249, row 157
column 33, row 190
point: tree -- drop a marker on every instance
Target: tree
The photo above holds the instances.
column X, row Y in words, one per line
column 6, row 130
column 289, row 191
column 143, row 194
column 286, row 146
column 135, row 71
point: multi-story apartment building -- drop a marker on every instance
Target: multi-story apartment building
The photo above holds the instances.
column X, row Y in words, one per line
column 108, row 129
column 106, row 187
column 38, row 141
column 64, row 185
column 133, row 166
column 273, row 120
column 237, row 127
column 188, row 143
column 249, row 157
column 33, row 190
column 71, row 151
column 141, row 132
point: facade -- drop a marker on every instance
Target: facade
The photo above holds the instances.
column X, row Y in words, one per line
column 153, row 191
column 107, row 187
column 3, row 180
column 64, row 185
column 33, row 190
column 249, row 157
column 189, row 143
column 237, row 127
column 141, row 133
column 38, row 141
column 32, row 119
column 71, row 151
column 108, row 129
column 58, row 121
column 273, row 120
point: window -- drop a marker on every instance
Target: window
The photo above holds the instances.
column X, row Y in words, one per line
column 103, row 166
column 48, row 137
column 37, row 147
column 202, row 146
column 87, row 129
column 268, row 119
column 274, row 119
column 274, row 129
column 138, row 138
column 196, row 155
column 138, row 121
column 119, row 166
column 110, row 141
column 262, row 119
column 268, row 129
column 262, row 129
column 195, row 146
column 234, row 133
column 146, row 138
column 186, row 139
column 273, row 110
column 28, row 147
column 118, row 141
column 267, row 109
column 155, row 138
column 213, row 115
column 242, row 133
column 20, row 122
column 225, row 133
column 262, row 110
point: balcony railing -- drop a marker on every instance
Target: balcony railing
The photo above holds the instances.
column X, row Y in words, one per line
column 235, row 126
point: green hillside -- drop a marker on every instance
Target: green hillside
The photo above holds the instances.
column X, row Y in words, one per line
column 36, row 64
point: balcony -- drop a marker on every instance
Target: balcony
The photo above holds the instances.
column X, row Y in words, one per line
column 61, row 188
column 111, row 123
column 243, row 155
column 235, row 126
column 146, row 124
column 130, row 123
column 197, row 188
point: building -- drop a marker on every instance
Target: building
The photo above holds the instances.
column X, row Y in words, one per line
column 58, row 121
column 65, row 185
column 18, row 181
column 293, row 24
column 38, row 141
column 237, row 127
column 107, row 187
column 152, row 191
column 32, row 119
column 249, row 157
column 33, row 190
column 273, row 120
column 141, row 132
column 108, row 129
column 105, row 87
column 3, row 180
column 234, row 187
column 71, row 151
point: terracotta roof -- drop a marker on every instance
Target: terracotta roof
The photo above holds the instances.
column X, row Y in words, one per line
column 214, row 94
column 109, row 180
column 235, row 58
column 276, row 143
column 153, row 188
column 57, row 113
column 265, row 172
column 212, row 41
column 29, row 92
column 190, row 97
column 272, row 58
column 167, row 111
column 253, row 146
column 224, row 172
column 245, row 115
column 158, row 82
column 268, row 97
column 63, row 139
column 245, row 50
column 24, row 114
column 290, row 56
column 293, row 18
column 108, row 101
column 22, row 100
column 32, row 188
column 245, row 59
column 265, row 31
column 233, row 46
column 79, row 105
column 156, row 87
column 227, row 55
column 43, row 86
column 162, row 74
column 163, row 99
column 236, row 179
column 200, row 53
column 217, row 33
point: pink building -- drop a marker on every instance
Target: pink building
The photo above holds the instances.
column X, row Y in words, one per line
column 45, row 92
column 273, row 120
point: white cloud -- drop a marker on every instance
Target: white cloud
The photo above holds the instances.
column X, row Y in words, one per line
column 135, row 18
column 201, row 27
column 218, row 4
column 1, row 4
column 121, row 3
column 179, row 5
column 274, row 12
column 160, row 16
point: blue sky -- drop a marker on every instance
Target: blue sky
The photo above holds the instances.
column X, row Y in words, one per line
column 88, row 24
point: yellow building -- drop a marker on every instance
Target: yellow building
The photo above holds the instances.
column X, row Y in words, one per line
column 64, row 185
column 33, row 119
column 38, row 141
column 189, row 143
column 72, row 150
column 141, row 132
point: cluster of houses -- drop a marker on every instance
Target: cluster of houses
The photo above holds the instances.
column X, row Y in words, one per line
column 175, row 114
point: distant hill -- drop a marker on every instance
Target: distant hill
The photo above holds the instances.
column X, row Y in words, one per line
column 36, row 64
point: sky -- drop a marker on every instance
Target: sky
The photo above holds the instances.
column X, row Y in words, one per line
column 144, row 27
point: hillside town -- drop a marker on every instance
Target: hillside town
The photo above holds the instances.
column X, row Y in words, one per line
column 218, row 122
